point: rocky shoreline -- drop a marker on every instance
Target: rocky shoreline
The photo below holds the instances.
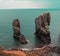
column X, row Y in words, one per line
column 44, row 51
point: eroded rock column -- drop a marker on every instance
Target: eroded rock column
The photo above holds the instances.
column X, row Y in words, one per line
column 42, row 23
column 17, row 34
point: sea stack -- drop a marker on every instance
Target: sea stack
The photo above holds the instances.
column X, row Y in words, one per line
column 17, row 34
column 42, row 23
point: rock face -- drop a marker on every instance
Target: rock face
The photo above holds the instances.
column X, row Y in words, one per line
column 11, row 53
column 44, row 51
column 42, row 23
column 17, row 34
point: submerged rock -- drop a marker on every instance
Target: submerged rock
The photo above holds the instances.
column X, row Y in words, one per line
column 42, row 23
column 17, row 34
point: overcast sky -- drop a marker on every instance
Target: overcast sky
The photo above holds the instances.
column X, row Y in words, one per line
column 29, row 4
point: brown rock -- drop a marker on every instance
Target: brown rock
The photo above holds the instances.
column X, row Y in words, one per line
column 42, row 23
column 16, row 27
column 17, row 34
column 15, row 53
column 47, row 16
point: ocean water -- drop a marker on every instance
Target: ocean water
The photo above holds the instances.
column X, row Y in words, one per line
column 26, row 18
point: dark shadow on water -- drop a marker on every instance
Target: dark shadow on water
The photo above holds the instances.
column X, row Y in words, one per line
column 59, row 40
column 40, row 43
column 17, row 43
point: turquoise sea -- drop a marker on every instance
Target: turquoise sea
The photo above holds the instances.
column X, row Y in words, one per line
column 26, row 18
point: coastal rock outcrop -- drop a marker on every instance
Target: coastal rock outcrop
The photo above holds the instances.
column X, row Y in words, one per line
column 17, row 33
column 44, row 51
column 11, row 52
column 42, row 23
